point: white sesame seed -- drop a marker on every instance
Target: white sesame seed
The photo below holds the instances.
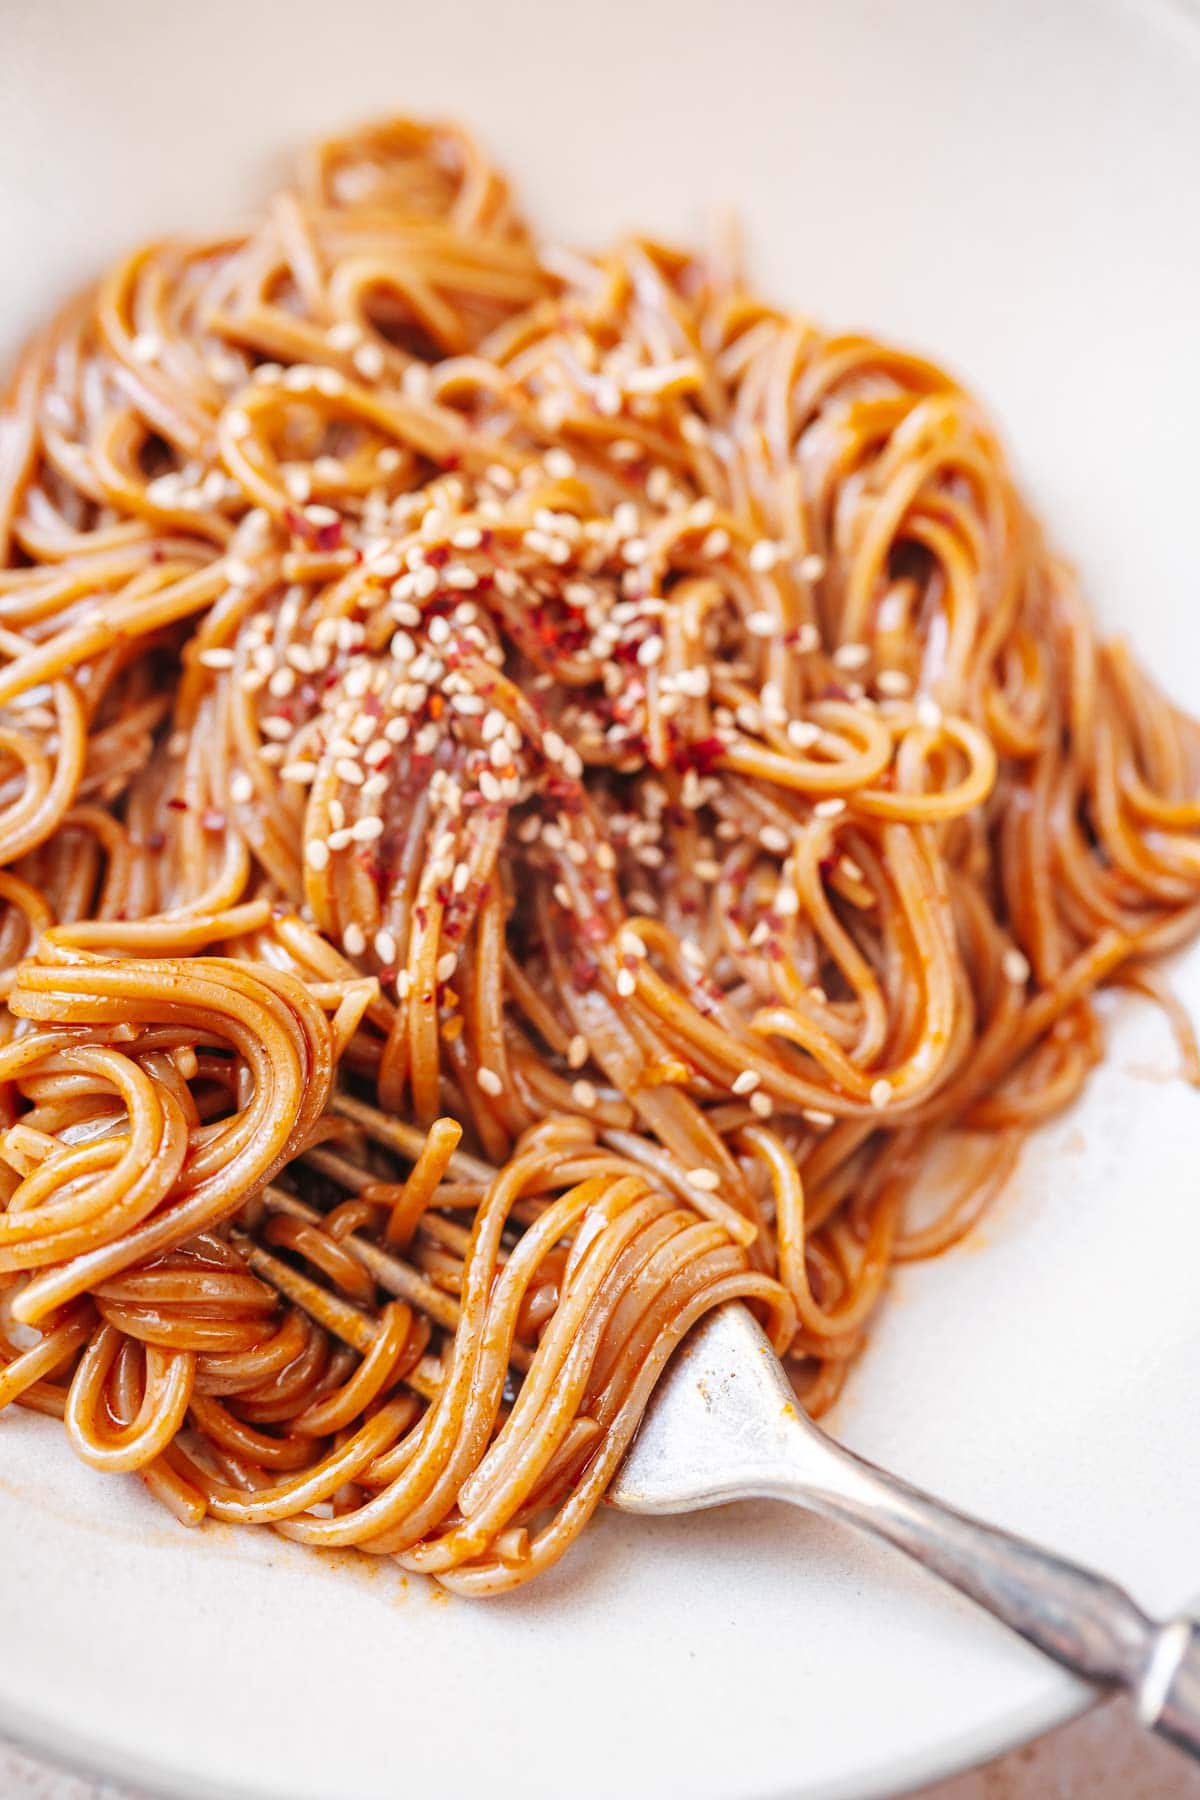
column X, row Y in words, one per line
column 354, row 939
column 489, row 786
column 489, row 1081
column 577, row 1052
column 348, row 771
column 775, row 839
column 762, row 624
column 803, row 733
column 146, row 347
column 460, row 576
column 893, row 682
column 1016, row 966
column 852, row 656
column 584, row 1094
column 650, row 651
column 812, row 566
column 216, row 659
column 385, row 946
column 282, row 682
column 762, row 1105
column 446, row 965
column 829, row 809
column 364, row 831
column 301, row 772
column 368, row 361
column 626, row 985
column 316, row 853
column 881, row 1093
column 816, row 1116
column 241, row 788
column 747, row 1081
column 928, row 713
column 278, row 729
column 707, row 1180
column 559, row 464
column 763, row 555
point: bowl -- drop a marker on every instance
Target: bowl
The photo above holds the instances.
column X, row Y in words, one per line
column 1010, row 185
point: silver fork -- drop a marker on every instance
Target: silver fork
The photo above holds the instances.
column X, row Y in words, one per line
column 724, row 1425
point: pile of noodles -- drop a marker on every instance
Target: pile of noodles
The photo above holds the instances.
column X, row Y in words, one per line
column 535, row 789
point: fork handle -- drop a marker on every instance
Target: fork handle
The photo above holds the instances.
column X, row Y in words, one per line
column 1086, row 1622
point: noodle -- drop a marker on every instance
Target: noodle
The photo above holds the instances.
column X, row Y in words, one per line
column 536, row 792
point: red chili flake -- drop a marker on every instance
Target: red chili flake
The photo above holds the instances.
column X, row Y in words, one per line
column 833, row 690
column 451, row 461
column 372, row 705
column 437, row 556
column 826, row 866
column 178, row 805
column 329, row 537
column 213, row 819
column 158, row 554
column 701, row 754
column 585, row 972
column 421, row 914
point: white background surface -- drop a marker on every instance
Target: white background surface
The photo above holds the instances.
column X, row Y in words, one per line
column 1011, row 184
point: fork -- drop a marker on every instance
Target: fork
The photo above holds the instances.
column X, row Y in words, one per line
column 724, row 1425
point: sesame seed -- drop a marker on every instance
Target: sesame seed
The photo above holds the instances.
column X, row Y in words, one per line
column 774, row 838
column 1016, row 966
column 747, row 1081
column 852, row 656
column 460, row 576
column 216, row 659
column 803, row 733
column 577, row 1052
column 282, row 682
column 354, row 940
column 584, row 1094
column 559, row 464
column 761, row 624
column 446, row 965
column 489, row 786
column 829, row 809
column 650, row 651
column 241, row 788
column 316, row 853
column 812, row 566
column 763, row 555
column 893, row 682
column 368, row 360
column 278, row 729
column 489, row 1081
column 707, row 1180
column 146, row 347
column 364, row 831
column 301, row 772
column 626, row 985
column 762, row 1105
column 881, row 1093
column 815, row 1116
column 385, row 947
column 929, row 713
